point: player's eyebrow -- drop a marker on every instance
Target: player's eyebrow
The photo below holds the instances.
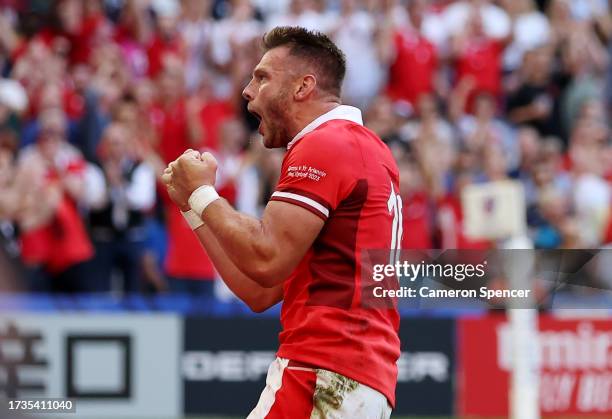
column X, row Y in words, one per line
column 259, row 72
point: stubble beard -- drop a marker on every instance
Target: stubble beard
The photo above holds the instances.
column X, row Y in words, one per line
column 278, row 121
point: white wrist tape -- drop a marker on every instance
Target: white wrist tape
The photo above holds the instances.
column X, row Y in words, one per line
column 202, row 198
column 192, row 219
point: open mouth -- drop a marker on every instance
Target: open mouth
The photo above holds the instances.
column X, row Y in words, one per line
column 260, row 119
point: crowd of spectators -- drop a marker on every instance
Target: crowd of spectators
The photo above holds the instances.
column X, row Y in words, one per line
column 97, row 96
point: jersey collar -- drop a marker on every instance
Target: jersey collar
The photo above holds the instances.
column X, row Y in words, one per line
column 349, row 113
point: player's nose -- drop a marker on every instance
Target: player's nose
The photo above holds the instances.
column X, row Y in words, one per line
column 248, row 93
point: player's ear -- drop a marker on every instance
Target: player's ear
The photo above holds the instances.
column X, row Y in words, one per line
column 305, row 87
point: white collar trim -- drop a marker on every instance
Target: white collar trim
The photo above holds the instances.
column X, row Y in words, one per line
column 349, row 113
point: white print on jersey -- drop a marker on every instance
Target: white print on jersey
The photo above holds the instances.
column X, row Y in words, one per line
column 306, row 172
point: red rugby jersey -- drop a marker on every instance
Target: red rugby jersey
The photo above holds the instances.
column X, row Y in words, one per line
column 341, row 172
column 412, row 72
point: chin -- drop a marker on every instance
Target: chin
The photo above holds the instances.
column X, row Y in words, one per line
column 271, row 142
column 267, row 142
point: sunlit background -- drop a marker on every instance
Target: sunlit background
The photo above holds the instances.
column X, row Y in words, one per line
column 497, row 113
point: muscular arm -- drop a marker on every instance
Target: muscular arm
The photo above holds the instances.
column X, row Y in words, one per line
column 254, row 295
column 265, row 250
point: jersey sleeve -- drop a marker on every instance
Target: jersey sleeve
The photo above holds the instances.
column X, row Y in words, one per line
column 315, row 176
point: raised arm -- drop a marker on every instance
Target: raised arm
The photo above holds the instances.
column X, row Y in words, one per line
column 260, row 252
column 266, row 250
column 254, row 295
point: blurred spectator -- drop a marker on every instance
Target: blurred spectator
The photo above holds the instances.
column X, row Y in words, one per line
column 588, row 9
column 167, row 42
column 233, row 137
column 484, row 129
column 412, row 57
column 119, row 193
column 478, row 59
column 271, row 7
column 9, row 39
column 431, row 127
column 462, row 14
column 258, row 176
column 13, row 102
column 230, row 37
column 417, row 208
column 495, row 163
column 584, row 60
column 305, row 13
column 356, row 33
column 195, row 27
column 547, row 191
column 591, row 195
column 530, row 30
column 132, row 34
column 175, row 118
column 55, row 244
column 385, row 118
column 11, row 267
column 535, row 101
column 213, row 111
column 101, row 91
column 552, row 231
column 463, row 92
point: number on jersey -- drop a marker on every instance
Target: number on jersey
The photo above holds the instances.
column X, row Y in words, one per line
column 394, row 204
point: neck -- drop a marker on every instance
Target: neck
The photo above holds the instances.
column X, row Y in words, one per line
column 307, row 115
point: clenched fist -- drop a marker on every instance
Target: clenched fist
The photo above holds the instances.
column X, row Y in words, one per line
column 187, row 173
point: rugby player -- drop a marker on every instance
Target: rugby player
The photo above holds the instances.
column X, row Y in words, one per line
column 336, row 196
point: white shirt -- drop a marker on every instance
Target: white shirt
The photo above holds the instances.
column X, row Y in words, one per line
column 531, row 30
column 364, row 72
column 495, row 20
column 196, row 35
column 139, row 194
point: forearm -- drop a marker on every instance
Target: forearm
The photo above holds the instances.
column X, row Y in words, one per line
column 245, row 241
column 266, row 251
column 254, row 295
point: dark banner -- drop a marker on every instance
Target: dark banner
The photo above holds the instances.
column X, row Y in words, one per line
column 426, row 369
column 225, row 362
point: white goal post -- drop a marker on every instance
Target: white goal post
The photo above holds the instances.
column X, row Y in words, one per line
column 525, row 374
